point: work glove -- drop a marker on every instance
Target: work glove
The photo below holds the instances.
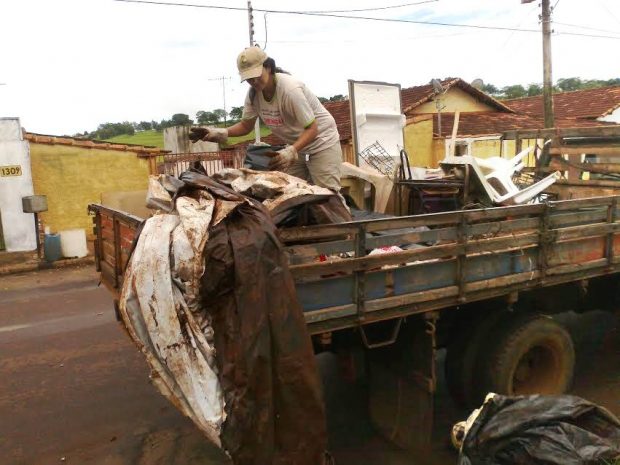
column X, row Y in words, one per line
column 282, row 159
column 209, row 133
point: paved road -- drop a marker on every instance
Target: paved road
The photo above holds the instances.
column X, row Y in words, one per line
column 73, row 389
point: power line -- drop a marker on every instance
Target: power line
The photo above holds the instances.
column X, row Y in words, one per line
column 373, row 9
column 585, row 27
column 365, row 18
column 328, row 15
column 367, row 39
column 608, row 11
column 598, row 36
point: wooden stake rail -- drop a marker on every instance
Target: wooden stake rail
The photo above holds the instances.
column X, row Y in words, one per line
column 460, row 257
column 481, row 254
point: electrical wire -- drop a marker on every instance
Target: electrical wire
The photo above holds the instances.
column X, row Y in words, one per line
column 366, row 18
column 602, row 4
column 367, row 39
column 328, row 15
column 511, row 35
column 585, row 27
column 373, row 9
column 598, row 36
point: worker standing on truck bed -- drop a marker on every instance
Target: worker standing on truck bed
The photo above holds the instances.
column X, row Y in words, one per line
column 293, row 113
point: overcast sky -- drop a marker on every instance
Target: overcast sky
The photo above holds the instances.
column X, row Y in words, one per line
column 69, row 65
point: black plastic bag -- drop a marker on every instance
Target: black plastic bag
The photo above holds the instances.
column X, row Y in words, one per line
column 563, row 430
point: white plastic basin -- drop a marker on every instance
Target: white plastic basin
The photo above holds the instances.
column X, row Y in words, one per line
column 73, row 243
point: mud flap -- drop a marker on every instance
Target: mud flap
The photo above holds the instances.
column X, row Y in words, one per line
column 402, row 385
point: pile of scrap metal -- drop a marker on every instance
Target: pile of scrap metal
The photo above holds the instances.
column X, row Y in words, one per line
column 210, row 302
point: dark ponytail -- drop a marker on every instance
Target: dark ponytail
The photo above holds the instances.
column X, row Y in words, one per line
column 270, row 64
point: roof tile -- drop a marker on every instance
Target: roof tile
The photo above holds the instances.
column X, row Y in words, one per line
column 87, row 143
column 587, row 103
column 494, row 123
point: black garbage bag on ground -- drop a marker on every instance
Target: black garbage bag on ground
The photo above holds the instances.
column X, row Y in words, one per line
column 563, row 430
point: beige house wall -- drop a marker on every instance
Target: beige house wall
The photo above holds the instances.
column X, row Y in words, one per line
column 454, row 100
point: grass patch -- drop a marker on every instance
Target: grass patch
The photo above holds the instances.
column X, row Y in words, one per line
column 156, row 138
column 235, row 140
column 150, row 138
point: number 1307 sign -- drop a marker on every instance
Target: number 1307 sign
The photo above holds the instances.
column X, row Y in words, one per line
column 10, row 170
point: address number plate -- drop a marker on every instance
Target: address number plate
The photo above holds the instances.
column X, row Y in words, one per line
column 10, row 170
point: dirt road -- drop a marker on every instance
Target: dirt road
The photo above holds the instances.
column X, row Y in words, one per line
column 73, row 389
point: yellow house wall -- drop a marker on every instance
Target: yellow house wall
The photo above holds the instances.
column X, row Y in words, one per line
column 419, row 143
column 73, row 177
column 439, row 152
column 492, row 148
column 486, row 148
column 454, row 100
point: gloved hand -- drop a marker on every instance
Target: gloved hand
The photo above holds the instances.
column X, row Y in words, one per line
column 282, row 159
column 209, row 133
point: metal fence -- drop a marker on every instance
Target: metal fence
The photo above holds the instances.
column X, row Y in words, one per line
column 175, row 163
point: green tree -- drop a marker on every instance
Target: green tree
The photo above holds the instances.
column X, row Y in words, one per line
column 201, row 117
column 337, row 98
column 236, row 113
column 534, row 89
column 219, row 114
column 514, row 91
column 206, row 117
column 145, row 126
column 568, row 84
column 108, row 130
column 181, row 119
column 490, row 89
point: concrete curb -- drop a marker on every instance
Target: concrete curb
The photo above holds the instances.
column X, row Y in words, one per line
column 43, row 265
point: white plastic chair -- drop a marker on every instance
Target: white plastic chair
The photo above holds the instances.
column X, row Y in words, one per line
column 498, row 185
column 508, row 165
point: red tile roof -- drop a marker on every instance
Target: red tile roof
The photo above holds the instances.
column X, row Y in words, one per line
column 91, row 144
column 342, row 114
column 589, row 103
column 494, row 123
column 413, row 97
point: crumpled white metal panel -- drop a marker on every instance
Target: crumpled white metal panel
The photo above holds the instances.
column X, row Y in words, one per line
column 160, row 305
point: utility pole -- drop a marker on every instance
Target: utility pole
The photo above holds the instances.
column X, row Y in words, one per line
column 251, row 22
column 549, row 119
column 223, row 79
column 547, row 79
column 251, row 30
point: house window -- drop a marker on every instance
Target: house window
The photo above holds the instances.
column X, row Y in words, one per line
column 462, row 148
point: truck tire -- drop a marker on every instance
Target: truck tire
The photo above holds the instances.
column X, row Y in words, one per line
column 529, row 354
column 463, row 353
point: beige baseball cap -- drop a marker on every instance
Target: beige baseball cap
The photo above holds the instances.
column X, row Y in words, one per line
column 250, row 62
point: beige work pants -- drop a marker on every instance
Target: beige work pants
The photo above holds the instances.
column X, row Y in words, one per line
column 321, row 169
